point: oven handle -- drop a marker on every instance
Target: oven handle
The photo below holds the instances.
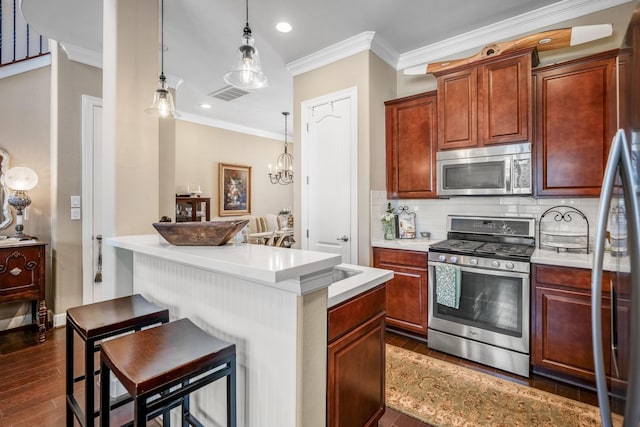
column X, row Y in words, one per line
column 484, row 270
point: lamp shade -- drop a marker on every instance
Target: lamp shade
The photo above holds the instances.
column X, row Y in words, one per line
column 21, row 178
column 246, row 72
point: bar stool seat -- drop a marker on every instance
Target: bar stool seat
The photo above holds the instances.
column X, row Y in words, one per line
column 93, row 323
column 159, row 366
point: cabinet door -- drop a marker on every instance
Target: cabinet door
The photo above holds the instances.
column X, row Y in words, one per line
column 458, row 109
column 356, row 370
column 561, row 327
column 411, row 147
column 575, row 122
column 504, row 100
column 22, row 273
column 407, row 303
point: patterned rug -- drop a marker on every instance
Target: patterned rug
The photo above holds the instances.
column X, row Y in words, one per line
column 443, row 395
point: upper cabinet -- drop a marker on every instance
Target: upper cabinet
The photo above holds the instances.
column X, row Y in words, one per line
column 487, row 102
column 575, row 110
column 411, row 146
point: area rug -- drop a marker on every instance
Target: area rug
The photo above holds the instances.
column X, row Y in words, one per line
column 443, row 394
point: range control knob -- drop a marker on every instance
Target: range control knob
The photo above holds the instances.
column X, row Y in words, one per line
column 453, row 259
column 509, row 266
column 495, row 263
column 442, row 258
column 473, row 261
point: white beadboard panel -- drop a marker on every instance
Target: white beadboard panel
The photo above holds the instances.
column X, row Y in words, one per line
column 432, row 214
column 260, row 320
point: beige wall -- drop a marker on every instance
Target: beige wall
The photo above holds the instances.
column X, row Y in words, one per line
column 72, row 81
column 24, row 134
column 199, row 149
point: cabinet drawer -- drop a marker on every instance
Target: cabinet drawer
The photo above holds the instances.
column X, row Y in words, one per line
column 355, row 311
column 399, row 257
column 577, row 278
column 20, row 269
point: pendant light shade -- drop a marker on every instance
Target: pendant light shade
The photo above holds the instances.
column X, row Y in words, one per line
column 246, row 72
column 162, row 104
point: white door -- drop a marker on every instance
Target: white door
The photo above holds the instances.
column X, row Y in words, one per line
column 91, row 198
column 329, row 169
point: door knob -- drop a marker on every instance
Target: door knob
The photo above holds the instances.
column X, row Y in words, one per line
column 343, row 238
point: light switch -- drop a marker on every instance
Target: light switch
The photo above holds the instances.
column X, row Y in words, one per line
column 75, row 213
column 75, row 202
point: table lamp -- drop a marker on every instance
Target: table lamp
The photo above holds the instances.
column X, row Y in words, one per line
column 20, row 179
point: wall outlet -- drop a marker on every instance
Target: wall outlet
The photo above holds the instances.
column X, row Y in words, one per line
column 75, row 201
column 75, row 213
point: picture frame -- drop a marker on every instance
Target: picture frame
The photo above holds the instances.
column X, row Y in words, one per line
column 234, row 189
column 406, row 224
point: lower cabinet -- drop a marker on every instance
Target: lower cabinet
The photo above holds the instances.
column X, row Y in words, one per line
column 407, row 306
column 356, row 360
column 561, row 323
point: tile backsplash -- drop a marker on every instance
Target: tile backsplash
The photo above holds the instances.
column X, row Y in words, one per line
column 431, row 214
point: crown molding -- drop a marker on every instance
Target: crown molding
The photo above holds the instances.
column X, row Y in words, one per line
column 208, row 121
column 333, row 53
column 521, row 24
column 82, row 55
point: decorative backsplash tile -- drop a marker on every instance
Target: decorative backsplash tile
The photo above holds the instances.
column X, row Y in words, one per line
column 431, row 214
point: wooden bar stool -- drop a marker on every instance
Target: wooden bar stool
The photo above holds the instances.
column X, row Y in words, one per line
column 161, row 366
column 93, row 323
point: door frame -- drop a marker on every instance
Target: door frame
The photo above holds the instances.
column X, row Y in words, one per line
column 88, row 156
column 305, row 109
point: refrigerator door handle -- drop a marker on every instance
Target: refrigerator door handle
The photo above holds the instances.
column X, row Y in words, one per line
column 614, row 328
column 619, row 155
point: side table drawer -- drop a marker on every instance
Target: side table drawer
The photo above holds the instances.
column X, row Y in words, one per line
column 20, row 272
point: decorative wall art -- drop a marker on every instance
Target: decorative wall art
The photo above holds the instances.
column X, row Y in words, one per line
column 235, row 190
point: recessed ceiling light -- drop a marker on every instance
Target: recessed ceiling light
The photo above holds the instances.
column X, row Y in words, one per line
column 283, row 27
column 205, row 106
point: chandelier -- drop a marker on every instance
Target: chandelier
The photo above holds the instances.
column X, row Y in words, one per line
column 283, row 173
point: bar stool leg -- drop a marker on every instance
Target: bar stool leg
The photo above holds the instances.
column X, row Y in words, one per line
column 231, row 394
column 140, row 412
column 105, row 395
column 89, row 376
column 69, row 373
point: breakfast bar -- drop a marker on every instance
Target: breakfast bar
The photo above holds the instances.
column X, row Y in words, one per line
column 270, row 302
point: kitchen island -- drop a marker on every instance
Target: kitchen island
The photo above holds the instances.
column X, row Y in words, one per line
column 271, row 302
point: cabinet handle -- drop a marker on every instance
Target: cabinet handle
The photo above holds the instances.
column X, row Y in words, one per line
column 98, row 278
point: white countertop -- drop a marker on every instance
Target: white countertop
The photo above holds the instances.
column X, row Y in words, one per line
column 421, row 245
column 570, row 259
column 260, row 263
column 348, row 288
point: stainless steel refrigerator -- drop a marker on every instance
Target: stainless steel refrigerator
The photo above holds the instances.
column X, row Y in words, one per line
column 618, row 311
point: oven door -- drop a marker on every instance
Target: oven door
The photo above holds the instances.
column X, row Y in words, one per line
column 493, row 308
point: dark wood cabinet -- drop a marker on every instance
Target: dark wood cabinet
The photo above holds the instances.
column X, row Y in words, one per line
column 411, row 146
column 406, row 293
column 22, row 277
column 193, row 209
column 561, row 323
column 575, row 115
column 356, row 361
column 486, row 103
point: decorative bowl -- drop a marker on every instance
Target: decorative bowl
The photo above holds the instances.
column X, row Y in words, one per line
column 209, row 233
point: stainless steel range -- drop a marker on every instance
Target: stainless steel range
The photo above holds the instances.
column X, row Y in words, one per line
column 479, row 300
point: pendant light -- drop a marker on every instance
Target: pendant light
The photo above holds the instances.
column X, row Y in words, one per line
column 162, row 105
column 284, row 164
column 246, row 72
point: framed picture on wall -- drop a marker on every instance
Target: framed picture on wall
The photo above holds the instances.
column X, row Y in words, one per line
column 235, row 190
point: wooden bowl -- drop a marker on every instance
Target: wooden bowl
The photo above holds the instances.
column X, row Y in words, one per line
column 210, row 233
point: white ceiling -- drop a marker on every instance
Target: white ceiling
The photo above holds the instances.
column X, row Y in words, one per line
column 201, row 37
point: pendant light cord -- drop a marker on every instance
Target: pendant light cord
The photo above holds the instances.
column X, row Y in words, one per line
column 162, row 37
column 247, row 7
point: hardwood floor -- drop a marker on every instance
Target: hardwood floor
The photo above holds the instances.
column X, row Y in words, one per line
column 32, row 380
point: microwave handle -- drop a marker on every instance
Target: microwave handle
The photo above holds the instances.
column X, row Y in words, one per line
column 508, row 168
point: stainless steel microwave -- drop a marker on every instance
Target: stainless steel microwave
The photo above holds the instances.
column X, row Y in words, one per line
column 500, row 170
